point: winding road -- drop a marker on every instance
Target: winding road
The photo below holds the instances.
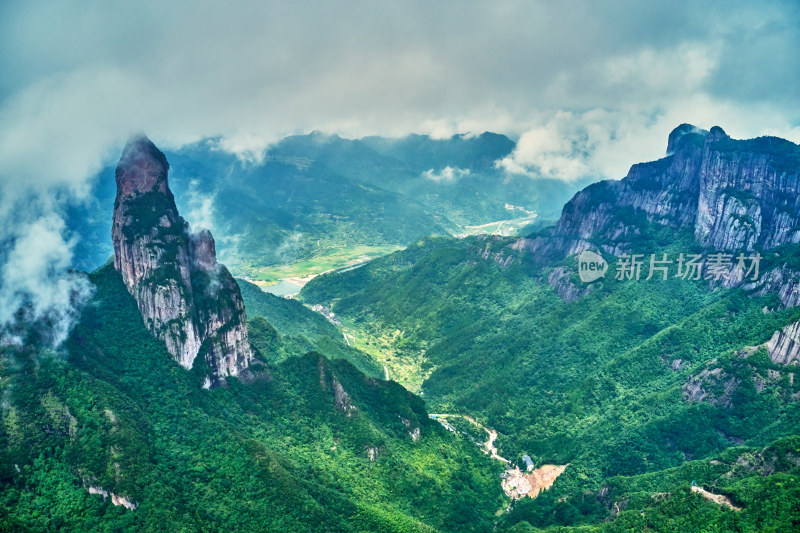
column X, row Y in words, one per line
column 489, row 446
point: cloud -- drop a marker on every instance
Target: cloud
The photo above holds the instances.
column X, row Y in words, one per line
column 35, row 285
column 589, row 87
column 254, row 72
column 603, row 144
column 288, row 250
column 201, row 214
column 447, row 175
column 248, row 148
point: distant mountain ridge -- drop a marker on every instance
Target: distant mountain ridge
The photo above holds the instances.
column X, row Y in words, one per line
column 314, row 193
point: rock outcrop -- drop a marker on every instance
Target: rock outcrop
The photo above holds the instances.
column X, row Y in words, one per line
column 677, row 134
column 185, row 297
column 784, row 346
column 712, row 385
column 734, row 195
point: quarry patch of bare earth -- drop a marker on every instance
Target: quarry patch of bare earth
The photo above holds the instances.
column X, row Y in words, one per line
column 519, row 485
column 516, row 484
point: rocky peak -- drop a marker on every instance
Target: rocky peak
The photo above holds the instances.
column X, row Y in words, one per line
column 203, row 251
column 728, row 195
column 678, row 133
column 185, row 297
column 142, row 168
column 734, row 195
column 717, row 134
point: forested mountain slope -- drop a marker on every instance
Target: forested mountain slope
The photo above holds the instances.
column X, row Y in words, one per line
column 166, row 407
column 625, row 380
column 312, row 444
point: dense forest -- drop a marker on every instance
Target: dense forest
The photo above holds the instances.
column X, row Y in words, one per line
column 308, row 443
column 599, row 384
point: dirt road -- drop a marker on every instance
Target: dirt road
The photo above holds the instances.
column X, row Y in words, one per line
column 488, row 446
column 719, row 499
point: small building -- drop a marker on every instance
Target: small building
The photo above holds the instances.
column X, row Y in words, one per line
column 528, row 462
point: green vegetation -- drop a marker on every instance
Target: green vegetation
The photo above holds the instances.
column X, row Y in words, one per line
column 293, row 330
column 762, row 483
column 146, row 210
column 114, row 411
column 598, row 383
column 409, row 367
column 330, row 259
column 786, row 154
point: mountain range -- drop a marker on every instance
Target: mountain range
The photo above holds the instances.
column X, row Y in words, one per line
column 642, row 386
column 311, row 195
column 411, row 392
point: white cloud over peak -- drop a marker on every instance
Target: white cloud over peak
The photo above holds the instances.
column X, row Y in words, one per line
column 589, row 87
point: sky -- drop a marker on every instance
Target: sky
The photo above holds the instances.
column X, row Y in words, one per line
column 587, row 87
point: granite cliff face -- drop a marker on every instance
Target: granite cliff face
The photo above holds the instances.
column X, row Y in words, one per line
column 735, row 195
column 728, row 195
column 784, row 346
column 186, row 298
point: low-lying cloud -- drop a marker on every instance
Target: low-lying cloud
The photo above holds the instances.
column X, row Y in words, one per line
column 446, row 175
column 587, row 87
column 36, row 285
column 201, row 213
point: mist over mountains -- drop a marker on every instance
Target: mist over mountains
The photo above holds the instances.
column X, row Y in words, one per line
column 400, row 267
column 310, row 193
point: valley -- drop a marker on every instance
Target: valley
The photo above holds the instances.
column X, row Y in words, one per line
column 288, row 279
column 487, row 446
column 400, row 267
column 406, row 364
column 296, row 275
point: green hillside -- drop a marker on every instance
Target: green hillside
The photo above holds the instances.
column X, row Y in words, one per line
column 596, row 383
column 307, row 444
column 286, row 328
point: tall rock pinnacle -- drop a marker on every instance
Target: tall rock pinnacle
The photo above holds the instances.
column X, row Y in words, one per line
column 186, row 298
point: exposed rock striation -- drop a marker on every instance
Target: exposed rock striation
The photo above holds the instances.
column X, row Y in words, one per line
column 784, row 346
column 186, row 298
column 725, row 194
column 734, row 195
